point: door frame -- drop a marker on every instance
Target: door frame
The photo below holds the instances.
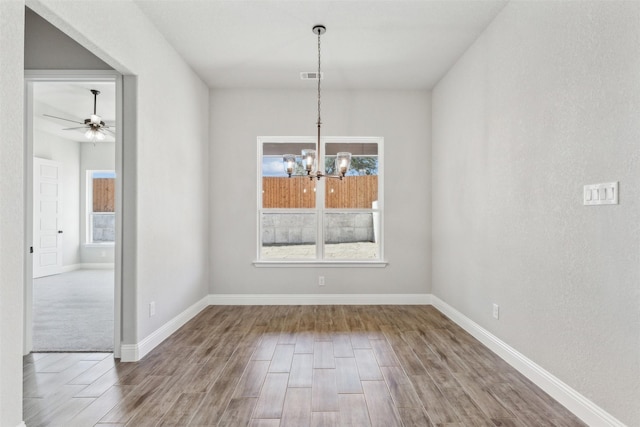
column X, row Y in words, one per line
column 34, row 76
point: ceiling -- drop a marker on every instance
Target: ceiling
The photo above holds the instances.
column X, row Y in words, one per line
column 72, row 101
column 265, row 44
column 381, row 44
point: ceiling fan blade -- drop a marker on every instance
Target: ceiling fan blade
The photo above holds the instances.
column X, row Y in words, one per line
column 80, row 127
column 109, row 130
column 61, row 118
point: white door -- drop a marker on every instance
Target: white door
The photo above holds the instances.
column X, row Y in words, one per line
column 47, row 218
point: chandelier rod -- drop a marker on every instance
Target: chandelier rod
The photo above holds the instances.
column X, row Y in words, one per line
column 319, row 30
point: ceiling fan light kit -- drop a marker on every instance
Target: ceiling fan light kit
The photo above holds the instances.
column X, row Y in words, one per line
column 309, row 156
column 95, row 126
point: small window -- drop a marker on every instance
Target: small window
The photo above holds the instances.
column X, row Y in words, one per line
column 101, row 218
column 303, row 219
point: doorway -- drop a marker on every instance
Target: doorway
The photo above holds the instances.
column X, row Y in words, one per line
column 73, row 193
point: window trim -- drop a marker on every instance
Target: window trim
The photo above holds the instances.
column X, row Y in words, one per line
column 320, row 209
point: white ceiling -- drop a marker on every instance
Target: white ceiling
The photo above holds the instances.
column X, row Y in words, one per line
column 386, row 44
column 369, row 44
column 72, row 101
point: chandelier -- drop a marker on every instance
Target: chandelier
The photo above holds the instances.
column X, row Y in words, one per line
column 310, row 157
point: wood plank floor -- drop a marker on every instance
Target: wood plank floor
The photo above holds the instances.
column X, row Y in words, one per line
column 293, row 366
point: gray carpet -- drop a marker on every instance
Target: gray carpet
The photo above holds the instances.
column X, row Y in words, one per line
column 73, row 311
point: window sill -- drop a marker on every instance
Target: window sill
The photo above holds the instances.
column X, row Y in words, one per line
column 322, row 264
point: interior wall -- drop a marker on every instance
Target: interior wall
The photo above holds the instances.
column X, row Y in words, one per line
column 170, row 248
column 238, row 117
column 12, row 248
column 94, row 157
column 47, row 48
column 51, row 147
column 546, row 101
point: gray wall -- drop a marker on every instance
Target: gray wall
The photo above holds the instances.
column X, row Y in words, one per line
column 12, row 249
column 238, row 117
column 546, row 101
column 47, row 48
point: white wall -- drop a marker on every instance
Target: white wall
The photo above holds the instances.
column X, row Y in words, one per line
column 546, row 101
column 51, row 147
column 238, row 117
column 12, row 250
column 101, row 156
column 168, row 254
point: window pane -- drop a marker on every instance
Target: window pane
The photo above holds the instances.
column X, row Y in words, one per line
column 351, row 236
column 352, row 192
column 278, row 190
column 103, row 227
column 284, row 192
column 288, row 235
column 359, row 189
column 104, row 190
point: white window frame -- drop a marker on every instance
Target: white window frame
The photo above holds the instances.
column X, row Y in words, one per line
column 89, row 209
column 320, row 210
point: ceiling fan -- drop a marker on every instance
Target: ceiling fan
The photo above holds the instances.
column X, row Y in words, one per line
column 96, row 128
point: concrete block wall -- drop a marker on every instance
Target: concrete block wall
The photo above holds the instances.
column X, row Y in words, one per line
column 295, row 229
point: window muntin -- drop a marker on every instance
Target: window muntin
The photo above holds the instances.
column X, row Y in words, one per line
column 327, row 220
column 101, row 207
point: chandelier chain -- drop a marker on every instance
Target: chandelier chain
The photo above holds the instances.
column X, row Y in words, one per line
column 319, row 78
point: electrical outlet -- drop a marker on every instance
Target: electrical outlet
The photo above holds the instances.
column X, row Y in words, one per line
column 320, row 280
column 496, row 311
column 152, row 308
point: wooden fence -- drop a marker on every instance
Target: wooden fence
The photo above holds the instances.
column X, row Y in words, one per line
column 104, row 191
column 352, row 192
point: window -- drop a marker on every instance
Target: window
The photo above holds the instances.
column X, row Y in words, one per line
column 101, row 218
column 327, row 220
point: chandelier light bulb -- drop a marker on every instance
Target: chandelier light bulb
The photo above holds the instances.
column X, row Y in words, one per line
column 289, row 161
column 309, row 160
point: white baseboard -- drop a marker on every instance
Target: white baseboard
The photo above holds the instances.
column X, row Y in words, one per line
column 87, row 266
column 135, row 352
column 579, row 405
column 320, row 299
column 97, row 266
column 69, row 268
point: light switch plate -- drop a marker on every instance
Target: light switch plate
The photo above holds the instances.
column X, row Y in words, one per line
column 601, row 194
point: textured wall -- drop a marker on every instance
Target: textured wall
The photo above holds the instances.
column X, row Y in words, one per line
column 12, row 250
column 238, row 117
column 546, row 100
